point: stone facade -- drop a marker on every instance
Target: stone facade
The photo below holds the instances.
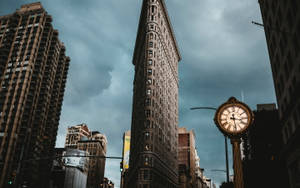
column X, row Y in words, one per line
column 154, row 139
column 33, row 71
column 282, row 24
column 75, row 134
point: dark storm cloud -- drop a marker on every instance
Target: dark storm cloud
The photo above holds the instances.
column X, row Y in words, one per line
column 223, row 55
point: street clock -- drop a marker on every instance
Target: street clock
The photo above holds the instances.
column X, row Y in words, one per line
column 233, row 117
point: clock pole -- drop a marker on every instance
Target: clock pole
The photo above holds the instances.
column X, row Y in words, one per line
column 237, row 163
column 233, row 118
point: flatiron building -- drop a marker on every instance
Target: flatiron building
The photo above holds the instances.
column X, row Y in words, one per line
column 33, row 72
column 154, row 139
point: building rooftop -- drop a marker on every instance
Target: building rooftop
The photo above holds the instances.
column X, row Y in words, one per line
column 31, row 6
column 268, row 107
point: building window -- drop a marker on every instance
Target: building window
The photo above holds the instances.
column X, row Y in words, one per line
column 150, row 44
column 148, row 92
column 146, row 160
column 148, row 102
column 151, row 35
column 149, row 71
column 147, row 147
column 148, row 124
column 146, row 135
column 148, row 113
column 146, row 175
column 149, row 81
column 150, row 62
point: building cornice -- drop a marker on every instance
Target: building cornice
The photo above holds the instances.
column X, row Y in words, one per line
column 171, row 28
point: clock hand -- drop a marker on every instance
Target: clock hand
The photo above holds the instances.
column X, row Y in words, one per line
column 234, row 124
column 233, row 118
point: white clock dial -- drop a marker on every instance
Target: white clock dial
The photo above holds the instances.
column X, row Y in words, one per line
column 234, row 118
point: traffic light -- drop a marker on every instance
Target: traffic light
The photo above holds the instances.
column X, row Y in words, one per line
column 12, row 178
column 121, row 166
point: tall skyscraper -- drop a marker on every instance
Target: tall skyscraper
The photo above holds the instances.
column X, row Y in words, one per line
column 33, row 72
column 154, row 140
column 282, row 26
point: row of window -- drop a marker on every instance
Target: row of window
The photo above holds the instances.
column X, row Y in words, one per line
column 283, row 79
column 147, row 136
column 149, row 92
column 9, row 75
column 292, row 124
column 162, row 24
column 289, row 92
column 18, row 64
column 163, row 32
column 153, row 44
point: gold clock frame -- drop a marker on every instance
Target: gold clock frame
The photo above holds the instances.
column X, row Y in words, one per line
column 232, row 101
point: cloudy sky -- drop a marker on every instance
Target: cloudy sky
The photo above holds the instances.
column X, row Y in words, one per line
column 223, row 55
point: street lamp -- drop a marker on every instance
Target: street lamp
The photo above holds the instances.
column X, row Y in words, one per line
column 226, row 145
column 218, row 170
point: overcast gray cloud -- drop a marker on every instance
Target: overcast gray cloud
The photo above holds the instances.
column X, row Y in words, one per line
column 223, row 55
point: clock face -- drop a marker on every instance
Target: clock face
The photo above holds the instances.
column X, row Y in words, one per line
column 233, row 118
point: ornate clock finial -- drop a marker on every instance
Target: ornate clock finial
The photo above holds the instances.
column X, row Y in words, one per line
column 232, row 100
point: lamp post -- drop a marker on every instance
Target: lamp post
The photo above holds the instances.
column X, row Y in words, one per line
column 218, row 170
column 226, row 145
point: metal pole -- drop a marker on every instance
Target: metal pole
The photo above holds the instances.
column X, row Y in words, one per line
column 237, row 163
column 226, row 155
column 226, row 145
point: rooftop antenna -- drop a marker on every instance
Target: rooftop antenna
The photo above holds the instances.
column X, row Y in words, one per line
column 242, row 94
